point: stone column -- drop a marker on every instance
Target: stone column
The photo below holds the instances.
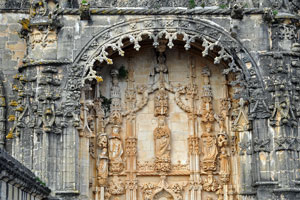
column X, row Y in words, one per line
column 2, row 115
column 130, row 138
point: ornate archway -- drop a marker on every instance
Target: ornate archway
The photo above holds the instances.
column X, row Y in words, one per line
column 115, row 135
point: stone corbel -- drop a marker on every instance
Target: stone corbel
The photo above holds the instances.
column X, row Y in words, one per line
column 84, row 10
column 237, row 12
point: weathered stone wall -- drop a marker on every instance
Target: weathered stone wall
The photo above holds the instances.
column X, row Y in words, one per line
column 53, row 120
column 13, row 50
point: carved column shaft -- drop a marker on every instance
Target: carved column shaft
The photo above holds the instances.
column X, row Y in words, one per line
column 2, row 115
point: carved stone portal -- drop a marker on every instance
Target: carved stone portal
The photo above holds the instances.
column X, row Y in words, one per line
column 165, row 131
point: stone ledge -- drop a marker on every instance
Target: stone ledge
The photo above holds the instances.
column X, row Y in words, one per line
column 295, row 190
column 43, row 63
column 160, row 11
column 12, row 171
column 265, row 183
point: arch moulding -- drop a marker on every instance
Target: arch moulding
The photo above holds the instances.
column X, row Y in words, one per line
column 212, row 36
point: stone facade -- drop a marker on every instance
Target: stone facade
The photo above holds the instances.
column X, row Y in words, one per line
column 153, row 99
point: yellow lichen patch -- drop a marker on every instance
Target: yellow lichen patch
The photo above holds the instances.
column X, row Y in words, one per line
column 20, row 109
column 99, row 79
column 93, row 11
column 20, row 93
column 2, row 101
column 25, row 23
column 48, row 111
column 10, row 135
column 22, row 78
column 15, row 88
column 109, row 61
column 16, row 76
column 11, row 118
column 13, row 103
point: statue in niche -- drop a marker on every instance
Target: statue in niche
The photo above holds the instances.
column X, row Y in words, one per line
column 161, row 102
column 160, row 71
column 224, row 165
column 115, row 150
column 221, row 118
column 115, row 94
column 209, row 149
column 102, row 161
column 162, row 136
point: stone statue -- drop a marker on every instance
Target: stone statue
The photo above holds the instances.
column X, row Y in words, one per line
column 162, row 140
column 102, row 161
column 115, row 146
column 224, row 166
column 224, row 163
column 209, row 149
column 160, row 71
column 162, row 136
column 115, row 150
